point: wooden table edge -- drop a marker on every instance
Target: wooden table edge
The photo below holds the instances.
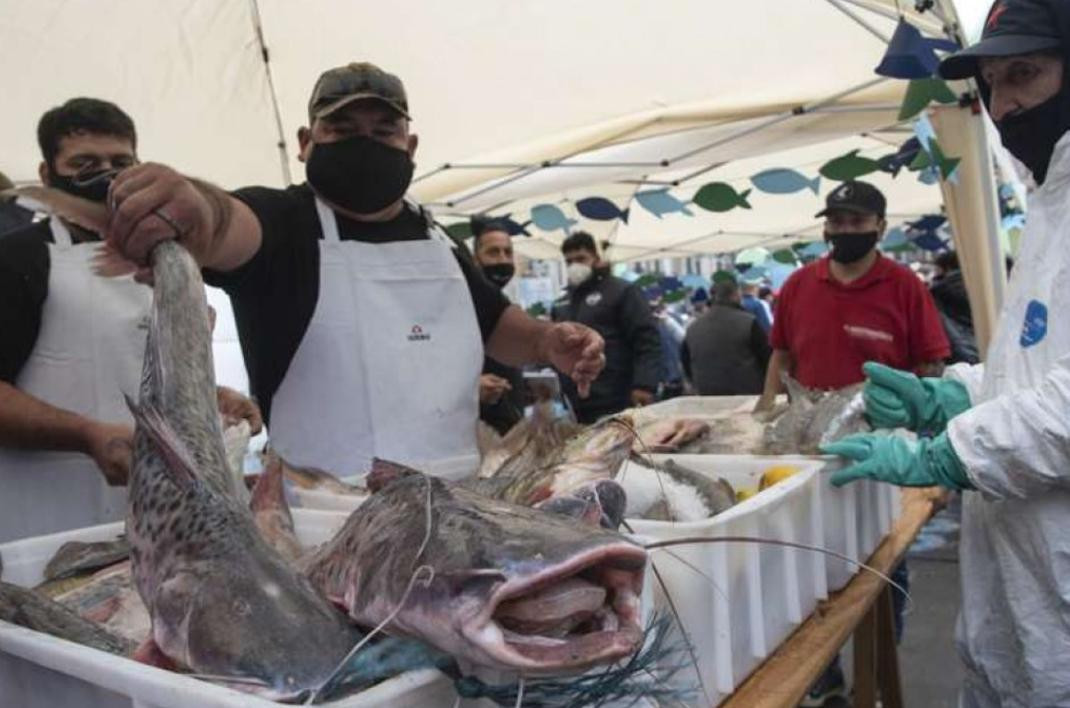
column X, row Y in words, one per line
column 783, row 678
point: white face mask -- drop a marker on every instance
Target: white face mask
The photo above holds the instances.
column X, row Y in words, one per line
column 577, row 273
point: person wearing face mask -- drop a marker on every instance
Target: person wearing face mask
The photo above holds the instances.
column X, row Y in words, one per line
column 501, row 387
column 999, row 431
column 72, row 342
column 853, row 306
column 362, row 324
column 620, row 313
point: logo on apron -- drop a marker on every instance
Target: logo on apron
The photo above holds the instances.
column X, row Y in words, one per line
column 417, row 334
column 593, row 299
column 1035, row 327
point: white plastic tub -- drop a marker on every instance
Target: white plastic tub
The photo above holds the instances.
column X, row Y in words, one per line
column 857, row 517
column 452, row 468
column 760, row 592
column 41, row 671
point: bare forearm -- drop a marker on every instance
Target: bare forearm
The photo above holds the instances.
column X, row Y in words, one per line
column 518, row 338
column 230, row 233
column 27, row 422
column 780, row 361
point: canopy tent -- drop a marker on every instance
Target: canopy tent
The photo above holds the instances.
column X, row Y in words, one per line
column 516, row 104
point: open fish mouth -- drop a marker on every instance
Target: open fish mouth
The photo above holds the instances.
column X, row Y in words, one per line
column 571, row 616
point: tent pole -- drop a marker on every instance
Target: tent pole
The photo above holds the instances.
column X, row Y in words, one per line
column 868, row 27
column 284, row 158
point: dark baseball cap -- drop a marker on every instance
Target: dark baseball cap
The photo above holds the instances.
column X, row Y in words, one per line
column 344, row 84
column 857, row 197
column 1012, row 27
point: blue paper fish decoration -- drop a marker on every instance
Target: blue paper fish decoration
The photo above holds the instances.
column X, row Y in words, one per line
column 783, row 180
column 929, row 222
column 911, row 56
column 512, row 227
column 550, row 218
column 899, row 159
column 659, row 202
column 600, row 209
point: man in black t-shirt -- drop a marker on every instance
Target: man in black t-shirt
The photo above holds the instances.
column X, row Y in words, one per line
column 362, row 329
column 72, row 342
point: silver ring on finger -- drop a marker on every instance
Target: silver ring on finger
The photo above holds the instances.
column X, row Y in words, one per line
column 164, row 217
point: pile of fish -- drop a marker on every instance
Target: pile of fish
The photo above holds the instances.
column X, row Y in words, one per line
column 455, row 577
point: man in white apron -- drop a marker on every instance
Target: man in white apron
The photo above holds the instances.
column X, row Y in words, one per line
column 1002, row 429
column 363, row 326
column 72, row 342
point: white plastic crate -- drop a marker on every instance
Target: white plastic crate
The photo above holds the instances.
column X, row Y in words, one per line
column 452, row 468
column 857, row 517
column 41, row 671
column 760, row 592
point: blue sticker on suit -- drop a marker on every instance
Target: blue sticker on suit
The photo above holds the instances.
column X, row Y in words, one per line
column 1035, row 327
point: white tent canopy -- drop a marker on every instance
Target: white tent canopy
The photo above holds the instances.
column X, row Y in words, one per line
column 529, row 101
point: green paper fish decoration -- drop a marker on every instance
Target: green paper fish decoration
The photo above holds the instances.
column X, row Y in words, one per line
column 920, row 93
column 848, row 167
column 720, row 196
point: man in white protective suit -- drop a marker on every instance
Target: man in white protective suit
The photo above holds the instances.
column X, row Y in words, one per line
column 1001, row 431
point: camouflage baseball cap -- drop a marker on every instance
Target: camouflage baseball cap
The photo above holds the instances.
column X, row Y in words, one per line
column 344, row 84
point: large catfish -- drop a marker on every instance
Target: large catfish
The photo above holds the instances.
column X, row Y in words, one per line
column 222, row 602
column 493, row 583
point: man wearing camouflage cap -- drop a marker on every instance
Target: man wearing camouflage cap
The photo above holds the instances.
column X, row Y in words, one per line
column 363, row 327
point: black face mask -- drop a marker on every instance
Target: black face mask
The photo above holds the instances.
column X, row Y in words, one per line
column 499, row 273
column 851, row 247
column 89, row 185
column 1031, row 135
column 359, row 174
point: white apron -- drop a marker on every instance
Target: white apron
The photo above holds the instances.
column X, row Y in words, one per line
column 87, row 355
column 389, row 365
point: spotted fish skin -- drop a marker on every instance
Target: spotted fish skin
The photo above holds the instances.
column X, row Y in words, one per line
column 222, row 602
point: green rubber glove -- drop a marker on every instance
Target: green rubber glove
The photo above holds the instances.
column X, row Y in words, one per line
column 898, row 399
column 887, row 458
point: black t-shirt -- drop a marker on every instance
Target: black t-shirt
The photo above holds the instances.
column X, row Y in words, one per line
column 274, row 294
column 24, row 268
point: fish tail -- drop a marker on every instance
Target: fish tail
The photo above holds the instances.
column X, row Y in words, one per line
column 743, row 199
column 815, row 184
column 624, row 216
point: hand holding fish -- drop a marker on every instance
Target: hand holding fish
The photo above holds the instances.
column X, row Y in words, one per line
column 150, row 203
column 111, row 447
column 577, row 350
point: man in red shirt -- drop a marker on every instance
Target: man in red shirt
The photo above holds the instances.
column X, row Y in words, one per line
column 839, row 312
column 854, row 306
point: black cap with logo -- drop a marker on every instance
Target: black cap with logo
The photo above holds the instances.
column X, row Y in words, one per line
column 857, row 197
column 1012, row 27
column 344, row 84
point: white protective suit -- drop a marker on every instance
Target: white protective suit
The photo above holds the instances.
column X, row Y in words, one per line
column 1014, row 629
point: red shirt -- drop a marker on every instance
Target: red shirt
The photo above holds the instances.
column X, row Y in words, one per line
column 831, row 328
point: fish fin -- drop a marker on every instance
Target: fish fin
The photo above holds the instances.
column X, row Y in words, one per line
column 179, row 461
column 268, row 490
column 150, row 654
column 624, row 216
column 743, row 199
column 384, row 472
column 87, row 214
column 815, row 185
column 685, row 210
